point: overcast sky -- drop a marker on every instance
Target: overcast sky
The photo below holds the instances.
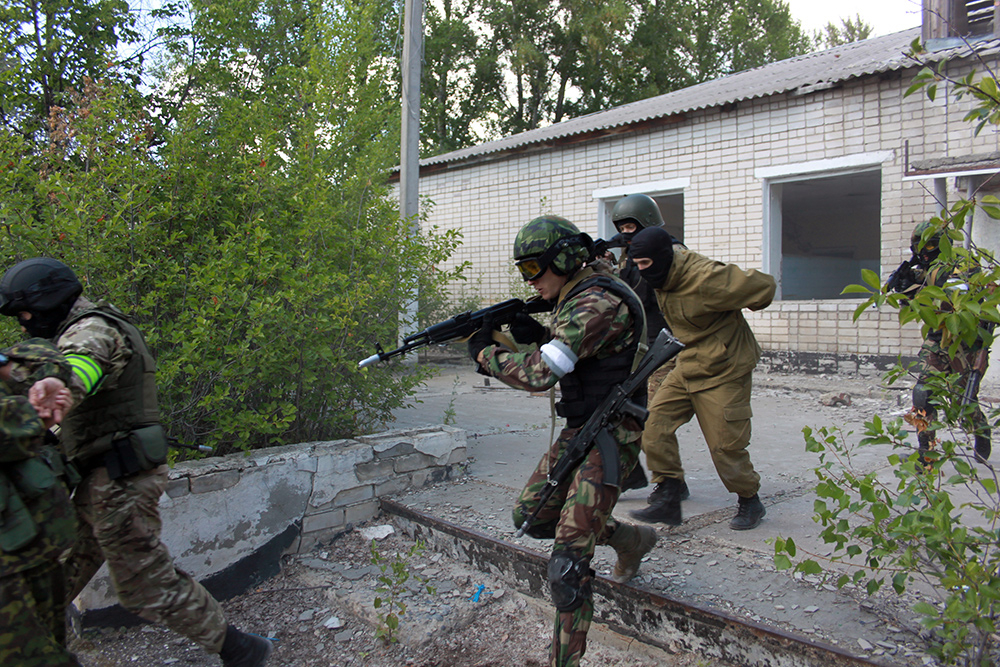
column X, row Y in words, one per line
column 886, row 16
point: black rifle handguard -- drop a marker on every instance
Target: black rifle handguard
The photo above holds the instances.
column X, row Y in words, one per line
column 616, row 406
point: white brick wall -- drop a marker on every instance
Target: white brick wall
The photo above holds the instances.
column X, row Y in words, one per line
column 719, row 151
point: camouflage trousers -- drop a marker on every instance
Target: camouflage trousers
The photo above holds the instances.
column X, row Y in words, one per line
column 120, row 523
column 577, row 517
column 32, row 619
column 934, row 358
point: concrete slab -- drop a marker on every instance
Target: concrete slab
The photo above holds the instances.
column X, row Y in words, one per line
column 703, row 560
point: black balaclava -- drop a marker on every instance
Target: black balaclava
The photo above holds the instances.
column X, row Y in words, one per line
column 653, row 243
column 45, row 324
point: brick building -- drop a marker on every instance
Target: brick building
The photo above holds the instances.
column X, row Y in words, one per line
column 810, row 169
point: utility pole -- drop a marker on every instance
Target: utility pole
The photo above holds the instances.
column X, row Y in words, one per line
column 409, row 170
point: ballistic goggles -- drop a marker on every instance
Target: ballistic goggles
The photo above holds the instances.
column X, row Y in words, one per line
column 533, row 267
column 530, row 267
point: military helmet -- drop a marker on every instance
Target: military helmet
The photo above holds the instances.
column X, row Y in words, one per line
column 640, row 209
column 38, row 285
column 927, row 250
column 550, row 241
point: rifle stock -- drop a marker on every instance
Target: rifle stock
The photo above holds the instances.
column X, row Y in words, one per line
column 601, row 247
column 597, row 429
column 461, row 326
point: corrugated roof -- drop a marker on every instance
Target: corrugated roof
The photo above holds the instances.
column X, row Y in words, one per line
column 813, row 71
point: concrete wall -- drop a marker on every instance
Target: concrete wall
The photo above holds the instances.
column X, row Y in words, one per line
column 726, row 157
column 219, row 511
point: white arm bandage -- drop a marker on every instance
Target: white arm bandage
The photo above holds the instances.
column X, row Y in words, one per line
column 559, row 357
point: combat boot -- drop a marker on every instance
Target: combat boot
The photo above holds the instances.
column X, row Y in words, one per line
column 241, row 649
column 636, row 479
column 666, row 486
column 665, row 506
column 631, row 543
column 749, row 513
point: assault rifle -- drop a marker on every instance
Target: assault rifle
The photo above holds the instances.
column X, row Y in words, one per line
column 597, row 429
column 902, row 278
column 461, row 326
column 177, row 444
column 601, row 247
column 969, row 396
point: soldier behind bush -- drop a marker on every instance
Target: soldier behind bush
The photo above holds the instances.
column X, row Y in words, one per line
column 922, row 270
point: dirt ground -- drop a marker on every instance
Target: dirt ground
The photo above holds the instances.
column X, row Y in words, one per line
column 320, row 612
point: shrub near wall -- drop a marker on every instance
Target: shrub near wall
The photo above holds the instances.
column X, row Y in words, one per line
column 251, row 238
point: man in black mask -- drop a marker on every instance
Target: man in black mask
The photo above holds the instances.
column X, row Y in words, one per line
column 701, row 300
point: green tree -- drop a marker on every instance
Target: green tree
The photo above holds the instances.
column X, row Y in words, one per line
column 253, row 237
column 461, row 81
column 565, row 58
column 51, row 47
column 935, row 519
column 850, row 30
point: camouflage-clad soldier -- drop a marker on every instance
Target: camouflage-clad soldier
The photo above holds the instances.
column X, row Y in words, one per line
column 923, row 270
column 37, row 521
column 701, row 300
column 590, row 345
column 630, row 215
column 114, row 437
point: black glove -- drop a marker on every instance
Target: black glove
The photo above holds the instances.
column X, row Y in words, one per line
column 482, row 339
column 525, row 329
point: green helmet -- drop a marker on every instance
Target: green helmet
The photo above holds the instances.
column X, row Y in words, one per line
column 927, row 250
column 550, row 240
column 640, row 209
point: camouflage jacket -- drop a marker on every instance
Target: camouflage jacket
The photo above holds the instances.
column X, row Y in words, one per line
column 33, row 495
column 701, row 301
column 593, row 323
column 99, row 339
column 951, row 278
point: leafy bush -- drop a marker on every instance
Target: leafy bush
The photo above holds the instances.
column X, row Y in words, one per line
column 252, row 233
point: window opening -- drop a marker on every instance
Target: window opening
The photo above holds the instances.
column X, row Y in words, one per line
column 829, row 229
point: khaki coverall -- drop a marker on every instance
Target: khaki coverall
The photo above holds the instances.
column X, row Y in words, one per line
column 701, row 301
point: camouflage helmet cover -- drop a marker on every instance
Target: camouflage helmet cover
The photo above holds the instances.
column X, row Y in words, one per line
column 556, row 240
column 918, row 234
column 639, row 208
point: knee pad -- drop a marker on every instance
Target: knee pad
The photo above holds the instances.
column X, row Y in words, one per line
column 569, row 580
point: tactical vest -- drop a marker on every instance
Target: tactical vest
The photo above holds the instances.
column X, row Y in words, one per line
column 588, row 384
column 109, row 414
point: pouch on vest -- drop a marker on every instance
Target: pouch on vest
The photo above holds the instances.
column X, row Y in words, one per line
column 17, row 528
column 143, row 449
column 33, row 476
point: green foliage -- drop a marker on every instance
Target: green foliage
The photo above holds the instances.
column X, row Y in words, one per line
column 388, row 603
column 495, row 68
column 851, row 29
column 936, row 520
column 253, row 237
column 51, row 47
